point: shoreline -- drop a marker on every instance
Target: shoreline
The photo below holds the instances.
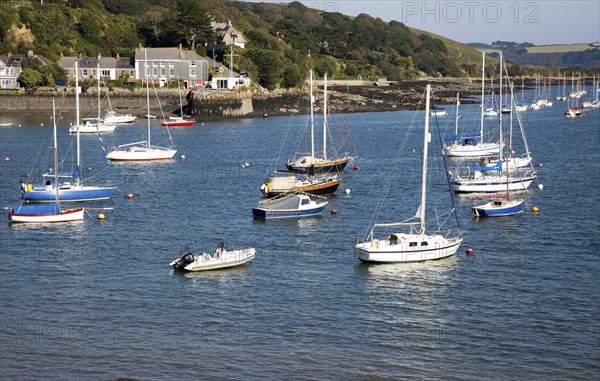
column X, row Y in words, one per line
column 209, row 105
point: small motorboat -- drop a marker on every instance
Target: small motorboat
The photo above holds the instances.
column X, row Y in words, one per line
column 220, row 258
column 293, row 205
column 499, row 208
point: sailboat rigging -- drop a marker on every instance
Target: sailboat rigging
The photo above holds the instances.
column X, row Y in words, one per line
column 416, row 245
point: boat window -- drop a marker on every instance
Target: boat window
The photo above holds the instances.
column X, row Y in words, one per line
column 424, row 243
column 413, row 244
column 305, row 201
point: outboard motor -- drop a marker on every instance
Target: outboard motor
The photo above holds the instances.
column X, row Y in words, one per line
column 179, row 264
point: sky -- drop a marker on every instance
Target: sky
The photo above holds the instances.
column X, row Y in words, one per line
column 542, row 22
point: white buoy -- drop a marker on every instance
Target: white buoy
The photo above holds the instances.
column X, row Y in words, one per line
column 182, row 157
column 541, row 186
column 348, row 191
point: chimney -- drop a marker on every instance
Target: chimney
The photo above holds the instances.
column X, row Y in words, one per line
column 30, row 54
column 118, row 57
column 180, row 52
column 99, row 56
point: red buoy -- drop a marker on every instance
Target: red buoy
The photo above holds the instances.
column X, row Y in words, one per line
column 125, row 130
column 333, row 211
column 355, row 167
column 540, row 165
column 470, row 251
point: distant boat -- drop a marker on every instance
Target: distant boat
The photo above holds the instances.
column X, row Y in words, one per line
column 46, row 213
column 113, row 117
column 143, row 150
column 415, row 245
column 439, row 112
column 295, row 205
column 5, row 124
column 178, row 122
column 220, row 258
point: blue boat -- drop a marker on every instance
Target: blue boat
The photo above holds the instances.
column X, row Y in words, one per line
column 499, row 208
column 295, row 205
column 70, row 190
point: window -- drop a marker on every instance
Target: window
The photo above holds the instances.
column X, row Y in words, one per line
column 105, row 73
column 155, row 72
column 192, row 63
column 171, row 64
column 192, row 72
column 424, row 243
column 171, row 72
column 413, row 244
column 163, row 71
column 85, row 72
column 305, row 201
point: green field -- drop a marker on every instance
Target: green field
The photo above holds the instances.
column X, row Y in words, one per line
column 559, row 48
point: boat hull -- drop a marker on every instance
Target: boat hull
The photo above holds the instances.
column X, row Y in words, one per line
column 265, row 214
column 92, row 128
column 320, row 167
column 141, row 154
column 386, row 252
column 72, row 194
column 483, row 149
column 491, row 185
column 178, row 123
column 206, row 262
column 499, row 208
column 24, row 215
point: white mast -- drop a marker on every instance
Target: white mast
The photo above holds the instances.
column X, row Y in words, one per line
column 56, row 149
column 482, row 97
column 325, row 117
column 425, row 144
column 98, row 78
column 501, row 100
column 312, row 121
column 457, row 116
column 78, row 171
column 147, row 93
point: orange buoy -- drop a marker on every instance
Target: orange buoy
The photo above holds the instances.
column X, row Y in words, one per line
column 470, row 251
column 130, row 196
column 333, row 211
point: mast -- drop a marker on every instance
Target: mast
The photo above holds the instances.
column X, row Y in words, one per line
column 425, row 144
column 457, row 116
column 56, row 149
column 325, row 117
column 147, row 93
column 501, row 137
column 98, row 78
column 312, row 120
column 482, row 98
column 77, row 168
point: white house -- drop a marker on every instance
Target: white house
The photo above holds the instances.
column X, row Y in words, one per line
column 166, row 64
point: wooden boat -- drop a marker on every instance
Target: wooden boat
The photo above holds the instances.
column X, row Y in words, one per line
column 318, row 185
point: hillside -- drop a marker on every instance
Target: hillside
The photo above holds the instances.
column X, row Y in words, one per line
column 284, row 40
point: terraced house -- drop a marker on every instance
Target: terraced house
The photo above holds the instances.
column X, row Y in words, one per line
column 166, row 64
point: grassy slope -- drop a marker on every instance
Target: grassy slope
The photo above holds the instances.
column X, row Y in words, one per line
column 461, row 53
column 558, row 48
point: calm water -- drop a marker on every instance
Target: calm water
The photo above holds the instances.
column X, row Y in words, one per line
column 98, row 300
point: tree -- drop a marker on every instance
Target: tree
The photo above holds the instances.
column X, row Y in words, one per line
column 30, row 78
column 191, row 23
column 269, row 67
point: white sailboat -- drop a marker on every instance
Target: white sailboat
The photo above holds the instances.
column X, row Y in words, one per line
column 46, row 213
column 416, row 245
column 142, row 150
column 469, row 146
column 491, row 178
column 88, row 126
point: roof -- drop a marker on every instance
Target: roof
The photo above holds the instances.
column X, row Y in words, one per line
column 167, row 54
column 226, row 35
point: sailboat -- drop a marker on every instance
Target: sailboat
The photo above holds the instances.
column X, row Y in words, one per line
column 490, row 178
column 497, row 208
column 43, row 213
column 416, row 245
column 71, row 190
column 311, row 163
column 89, row 126
column 143, row 150
column 472, row 145
column 178, row 121
column 573, row 110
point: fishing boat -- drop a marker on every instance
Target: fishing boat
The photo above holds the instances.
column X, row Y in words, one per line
column 296, row 205
column 91, row 125
column 438, row 112
column 415, row 245
column 313, row 184
column 46, row 213
column 143, row 150
column 220, row 258
column 472, row 145
column 312, row 163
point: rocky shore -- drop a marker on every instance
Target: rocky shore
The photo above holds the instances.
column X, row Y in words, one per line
column 343, row 96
